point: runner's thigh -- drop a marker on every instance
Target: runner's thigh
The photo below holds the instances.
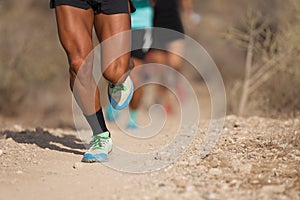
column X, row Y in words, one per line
column 119, row 46
column 75, row 30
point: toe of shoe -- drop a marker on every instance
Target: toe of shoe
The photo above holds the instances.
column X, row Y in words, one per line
column 118, row 106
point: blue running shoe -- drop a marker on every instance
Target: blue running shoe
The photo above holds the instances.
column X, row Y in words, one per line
column 100, row 146
column 120, row 95
column 111, row 113
column 132, row 122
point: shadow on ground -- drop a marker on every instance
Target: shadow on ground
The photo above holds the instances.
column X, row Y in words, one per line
column 45, row 139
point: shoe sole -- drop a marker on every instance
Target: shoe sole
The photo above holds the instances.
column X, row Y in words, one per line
column 90, row 158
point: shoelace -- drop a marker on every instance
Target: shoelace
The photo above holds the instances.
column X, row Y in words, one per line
column 98, row 142
column 117, row 87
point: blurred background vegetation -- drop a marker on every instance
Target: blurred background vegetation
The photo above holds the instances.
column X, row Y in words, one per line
column 34, row 72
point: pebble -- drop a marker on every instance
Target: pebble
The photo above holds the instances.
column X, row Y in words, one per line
column 232, row 183
column 245, row 168
column 1, row 152
column 163, row 156
column 191, row 193
column 215, row 171
column 17, row 127
column 287, row 123
column 210, row 196
column 19, row 172
column 231, row 117
column 254, row 181
column 35, row 162
column 161, row 185
column 77, row 165
column 179, row 183
column 183, row 163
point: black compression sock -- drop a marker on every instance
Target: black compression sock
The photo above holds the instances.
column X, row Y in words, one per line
column 97, row 122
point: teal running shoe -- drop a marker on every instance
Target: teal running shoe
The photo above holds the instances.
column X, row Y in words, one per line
column 100, row 146
column 111, row 113
column 120, row 95
column 132, row 122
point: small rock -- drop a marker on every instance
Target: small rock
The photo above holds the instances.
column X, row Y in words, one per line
column 190, row 193
column 161, row 185
column 254, row 181
column 231, row 117
column 190, row 188
column 19, row 172
column 77, row 165
column 4, row 165
column 35, row 162
column 1, row 152
column 162, row 156
column 232, row 183
column 286, row 123
column 179, row 183
column 183, row 163
column 245, row 168
column 210, row 196
column 215, row 171
column 17, row 127
column 214, row 164
column 236, row 125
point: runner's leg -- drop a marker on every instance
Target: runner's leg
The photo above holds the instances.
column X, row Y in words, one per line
column 75, row 33
column 137, row 95
column 136, row 79
column 106, row 26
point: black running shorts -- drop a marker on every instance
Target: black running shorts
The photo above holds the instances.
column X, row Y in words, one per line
column 167, row 16
column 99, row 6
column 141, row 42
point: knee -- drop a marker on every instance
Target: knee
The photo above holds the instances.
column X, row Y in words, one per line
column 116, row 71
column 80, row 68
column 75, row 64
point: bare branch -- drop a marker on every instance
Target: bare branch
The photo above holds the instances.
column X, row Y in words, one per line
column 259, row 82
column 264, row 69
column 239, row 34
column 248, row 66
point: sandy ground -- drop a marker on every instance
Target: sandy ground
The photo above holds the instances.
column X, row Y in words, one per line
column 255, row 158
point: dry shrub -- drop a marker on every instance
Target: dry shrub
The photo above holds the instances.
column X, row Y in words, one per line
column 280, row 96
column 271, row 44
column 27, row 53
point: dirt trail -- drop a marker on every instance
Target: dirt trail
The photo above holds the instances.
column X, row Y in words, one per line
column 255, row 158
